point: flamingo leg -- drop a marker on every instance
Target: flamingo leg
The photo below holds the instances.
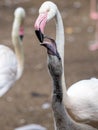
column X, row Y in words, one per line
column 94, row 47
column 94, row 16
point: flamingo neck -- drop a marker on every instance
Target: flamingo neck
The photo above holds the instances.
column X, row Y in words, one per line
column 18, row 47
column 60, row 114
column 60, row 47
column 61, row 117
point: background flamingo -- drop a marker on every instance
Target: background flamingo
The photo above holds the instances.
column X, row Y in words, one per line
column 12, row 64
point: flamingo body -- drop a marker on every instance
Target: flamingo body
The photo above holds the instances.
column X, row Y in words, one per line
column 12, row 64
column 8, row 68
column 83, row 99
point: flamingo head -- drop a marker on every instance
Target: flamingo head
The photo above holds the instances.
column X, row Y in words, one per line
column 20, row 16
column 46, row 12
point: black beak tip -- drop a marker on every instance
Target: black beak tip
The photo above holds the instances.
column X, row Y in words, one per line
column 21, row 37
column 40, row 36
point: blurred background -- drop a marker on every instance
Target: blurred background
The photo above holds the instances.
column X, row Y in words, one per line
column 29, row 100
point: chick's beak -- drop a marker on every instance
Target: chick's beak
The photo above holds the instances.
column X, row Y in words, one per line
column 51, row 47
column 40, row 25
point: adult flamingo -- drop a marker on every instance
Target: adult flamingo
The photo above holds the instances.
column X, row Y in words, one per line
column 12, row 65
column 94, row 16
column 81, row 99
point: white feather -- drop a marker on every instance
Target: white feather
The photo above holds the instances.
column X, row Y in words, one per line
column 11, row 64
column 8, row 69
column 31, row 127
column 84, row 99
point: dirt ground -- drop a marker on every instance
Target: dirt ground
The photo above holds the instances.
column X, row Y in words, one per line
column 23, row 104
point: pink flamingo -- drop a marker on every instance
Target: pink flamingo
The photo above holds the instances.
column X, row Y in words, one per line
column 94, row 16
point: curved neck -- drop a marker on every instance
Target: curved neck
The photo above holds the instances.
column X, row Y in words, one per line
column 60, row 46
column 18, row 47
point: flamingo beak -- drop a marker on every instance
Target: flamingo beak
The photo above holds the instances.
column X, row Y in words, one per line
column 39, row 35
column 21, row 37
column 40, row 25
column 51, row 47
column 21, row 33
